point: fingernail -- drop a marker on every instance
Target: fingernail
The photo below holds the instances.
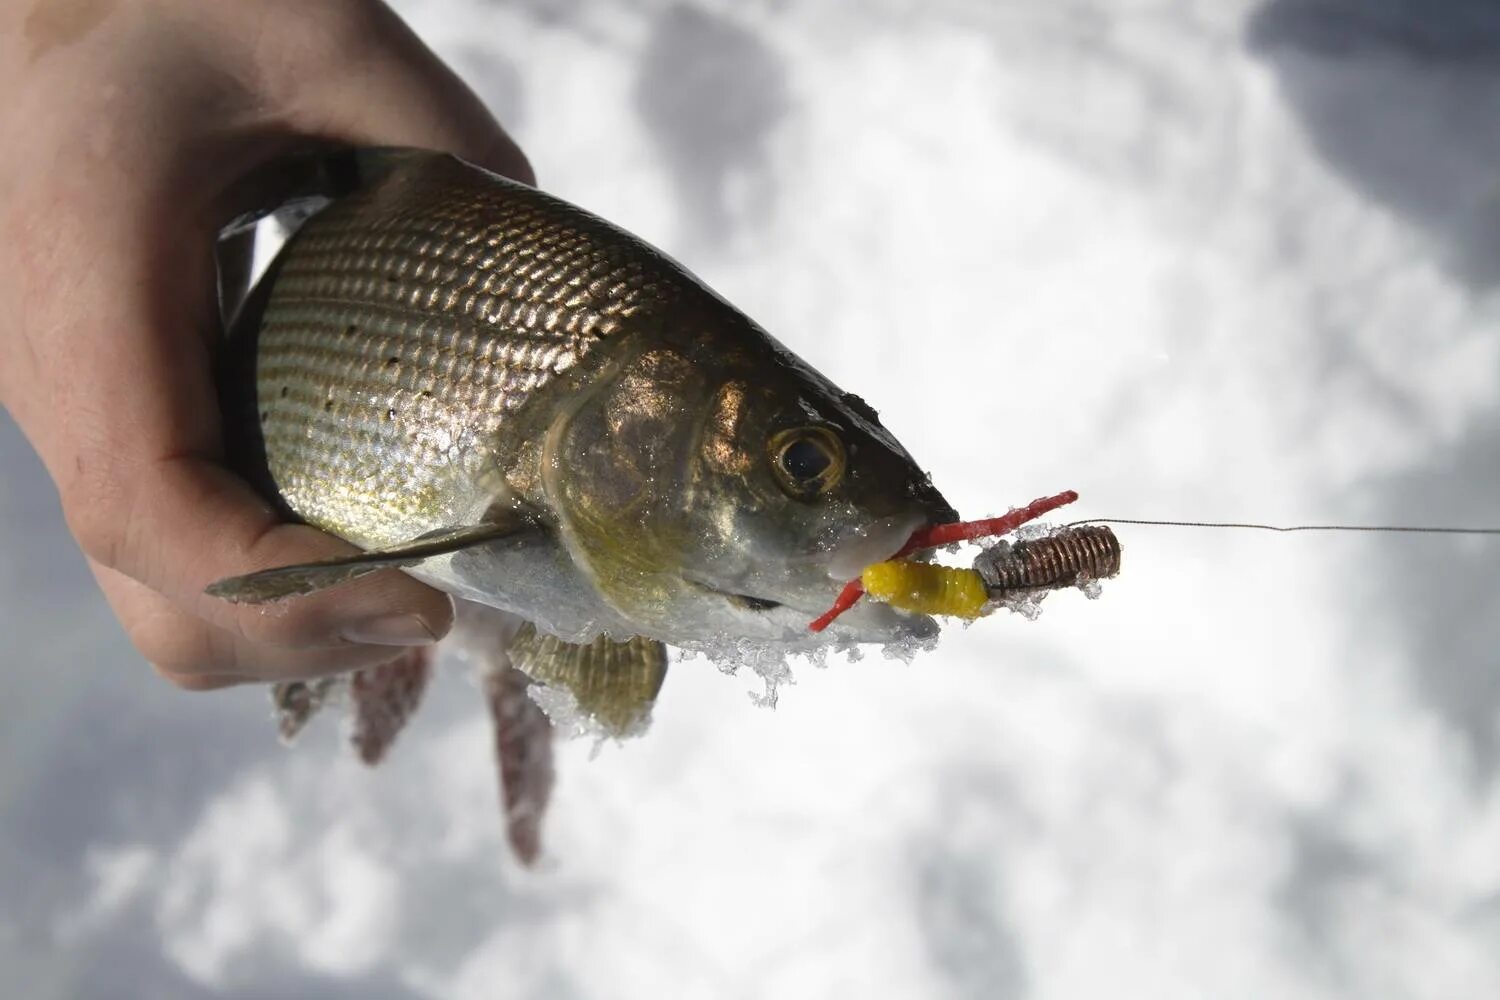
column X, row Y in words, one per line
column 394, row 630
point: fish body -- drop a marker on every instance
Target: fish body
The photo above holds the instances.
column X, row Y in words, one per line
column 531, row 409
column 446, row 350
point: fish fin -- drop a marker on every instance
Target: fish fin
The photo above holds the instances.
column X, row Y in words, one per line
column 296, row 187
column 372, row 163
column 296, row 702
column 523, row 749
column 385, row 697
column 300, row 184
column 614, row 683
column 306, row 578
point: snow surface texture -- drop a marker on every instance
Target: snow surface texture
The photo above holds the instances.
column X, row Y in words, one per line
column 1220, row 260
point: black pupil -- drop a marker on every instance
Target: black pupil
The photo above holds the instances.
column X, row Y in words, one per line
column 804, row 461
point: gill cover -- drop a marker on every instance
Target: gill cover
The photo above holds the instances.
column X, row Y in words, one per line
column 614, row 468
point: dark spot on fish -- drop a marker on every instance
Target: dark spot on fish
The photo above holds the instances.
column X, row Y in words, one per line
column 753, row 603
column 391, row 413
column 265, row 415
column 426, row 393
column 327, row 404
column 284, row 391
column 392, row 361
column 350, row 330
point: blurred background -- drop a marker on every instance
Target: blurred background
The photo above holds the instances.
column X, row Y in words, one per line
column 1230, row 260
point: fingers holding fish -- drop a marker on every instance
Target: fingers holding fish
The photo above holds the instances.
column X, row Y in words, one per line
column 143, row 500
column 177, row 525
column 139, row 139
column 376, row 83
column 196, row 655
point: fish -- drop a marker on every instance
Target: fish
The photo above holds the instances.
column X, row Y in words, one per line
column 529, row 408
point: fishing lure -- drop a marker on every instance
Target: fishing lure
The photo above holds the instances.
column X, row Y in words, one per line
column 1072, row 555
column 927, row 588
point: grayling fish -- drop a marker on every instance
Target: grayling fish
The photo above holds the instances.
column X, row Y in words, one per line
column 529, row 408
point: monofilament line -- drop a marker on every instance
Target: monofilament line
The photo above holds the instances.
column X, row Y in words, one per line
column 1289, row 528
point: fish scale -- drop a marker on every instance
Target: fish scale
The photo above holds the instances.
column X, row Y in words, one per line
column 410, row 323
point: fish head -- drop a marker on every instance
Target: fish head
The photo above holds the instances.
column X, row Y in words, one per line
column 726, row 490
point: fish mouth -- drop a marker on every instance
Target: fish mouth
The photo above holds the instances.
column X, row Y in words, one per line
column 875, row 542
column 838, row 563
column 845, row 560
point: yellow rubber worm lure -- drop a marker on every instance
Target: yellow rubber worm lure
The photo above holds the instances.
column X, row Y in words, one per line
column 1066, row 558
column 927, row 588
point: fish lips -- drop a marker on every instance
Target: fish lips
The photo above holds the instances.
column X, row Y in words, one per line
column 845, row 560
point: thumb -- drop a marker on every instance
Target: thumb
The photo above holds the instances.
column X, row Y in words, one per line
column 366, row 79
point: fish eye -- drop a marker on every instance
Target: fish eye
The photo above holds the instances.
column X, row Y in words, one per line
column 808, row 461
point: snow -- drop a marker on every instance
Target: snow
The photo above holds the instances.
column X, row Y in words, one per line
column 1193, row 261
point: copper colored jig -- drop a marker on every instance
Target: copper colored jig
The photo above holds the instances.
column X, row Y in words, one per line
column 1064, row 559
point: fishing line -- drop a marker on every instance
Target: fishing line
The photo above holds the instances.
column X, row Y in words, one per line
column 1079, row 551
column 1401, row 528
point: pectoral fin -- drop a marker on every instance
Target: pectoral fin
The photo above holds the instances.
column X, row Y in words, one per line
column 385, row 697
column 306, row 578
column 613, row 683
column 295, row 702
column 382, row 697
column 523, row 747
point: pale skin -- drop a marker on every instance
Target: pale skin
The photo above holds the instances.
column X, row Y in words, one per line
column 128, row 134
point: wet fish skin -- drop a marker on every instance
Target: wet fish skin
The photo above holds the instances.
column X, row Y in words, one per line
column 445, row 348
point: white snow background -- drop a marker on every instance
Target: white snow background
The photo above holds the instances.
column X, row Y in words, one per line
column 1222, row 260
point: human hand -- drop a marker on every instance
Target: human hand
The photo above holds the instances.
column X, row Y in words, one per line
column 128, row 134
